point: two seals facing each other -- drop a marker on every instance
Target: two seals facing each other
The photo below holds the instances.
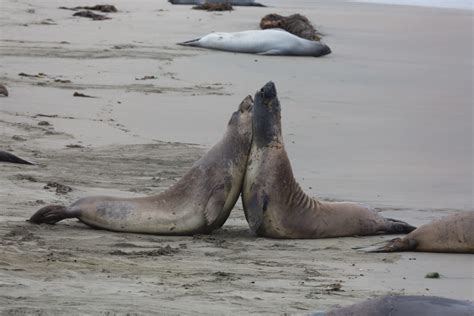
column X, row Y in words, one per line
column 251, row 160
column 274, row 204
column 262, row 42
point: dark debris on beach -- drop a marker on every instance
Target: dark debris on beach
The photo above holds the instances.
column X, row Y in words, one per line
column 91, row 15
column 106, row 8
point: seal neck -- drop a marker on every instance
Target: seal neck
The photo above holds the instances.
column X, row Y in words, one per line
column 266, row 117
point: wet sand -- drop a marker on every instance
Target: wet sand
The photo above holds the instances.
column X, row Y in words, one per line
column 385, row 120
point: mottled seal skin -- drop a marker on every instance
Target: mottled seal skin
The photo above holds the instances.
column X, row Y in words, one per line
column 275, row 205
column 245, row 3
column 9, row 157
column 198, row 203
column 296, row 24
column 262, row 42
column 453, row 233
column 405, row 306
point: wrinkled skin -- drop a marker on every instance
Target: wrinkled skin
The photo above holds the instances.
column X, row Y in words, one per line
column 198, row 203
column 276, row 206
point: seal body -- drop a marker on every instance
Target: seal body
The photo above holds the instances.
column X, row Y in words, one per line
column 405, row 305
column 276, row 206
column 198, row 203
column 453, row 233
column 246, row 3
column 264, row 42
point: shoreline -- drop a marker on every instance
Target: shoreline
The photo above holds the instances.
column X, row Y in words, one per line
column 458, row 5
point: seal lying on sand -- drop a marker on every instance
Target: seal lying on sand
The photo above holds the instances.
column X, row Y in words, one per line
column 8, row 157
column 198, row 203
column 453, row 233
column 245, row 3
column 296, row 24
column 404, row 306
column 263, row 42
column 275, row 205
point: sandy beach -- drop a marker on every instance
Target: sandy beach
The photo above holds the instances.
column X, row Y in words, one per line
column 386, row 120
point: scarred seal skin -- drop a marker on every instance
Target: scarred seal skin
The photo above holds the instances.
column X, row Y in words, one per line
column 262, row 42
column 198, row 203
column 453, row 233
column 405, row 306
column 276, row 206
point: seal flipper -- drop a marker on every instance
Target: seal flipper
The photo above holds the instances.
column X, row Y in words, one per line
column 394, row 245
column 193, row 42
column 8, row 157
column 50, row 214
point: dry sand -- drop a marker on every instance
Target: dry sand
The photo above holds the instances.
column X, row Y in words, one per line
column 386, row 120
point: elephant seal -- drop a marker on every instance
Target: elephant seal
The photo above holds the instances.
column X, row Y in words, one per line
column 245, row 3
column 275, row 205
column 9, row 157
column 453, row 233
column 296, row 24
column 198, row 203
column 263, row 42
column 405, row 305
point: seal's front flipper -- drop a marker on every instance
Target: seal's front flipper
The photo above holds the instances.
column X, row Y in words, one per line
column 214, row 214
column 50, row 214
column 394, row 245
column 193, row 42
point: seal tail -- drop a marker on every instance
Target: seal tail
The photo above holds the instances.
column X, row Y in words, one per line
column 8, row 157
column 395, row 226
column 193, row 42
column 394, row 245
column 50, row 214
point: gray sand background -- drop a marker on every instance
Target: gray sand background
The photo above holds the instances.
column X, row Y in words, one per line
column 386, row 120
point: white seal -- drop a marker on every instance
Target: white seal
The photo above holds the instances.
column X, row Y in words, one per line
column 263, row 42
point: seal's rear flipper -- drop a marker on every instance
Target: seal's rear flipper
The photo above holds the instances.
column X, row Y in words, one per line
column 193, row 42
column 50, row 214
column 398, row 227
column 8, row 157
column 394, row 245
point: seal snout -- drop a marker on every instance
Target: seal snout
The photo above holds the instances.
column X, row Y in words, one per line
column 325, row 50
column 246, row 105
column 268, row 91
